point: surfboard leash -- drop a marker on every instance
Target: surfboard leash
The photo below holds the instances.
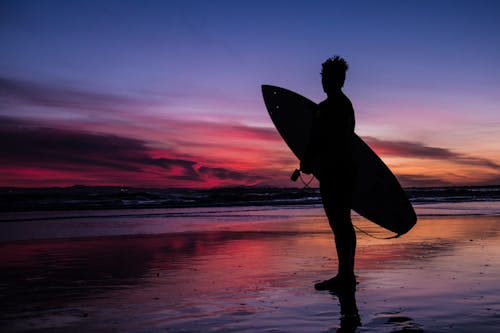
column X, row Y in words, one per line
column 306, row 184
column 375, row 237
column 298, row 174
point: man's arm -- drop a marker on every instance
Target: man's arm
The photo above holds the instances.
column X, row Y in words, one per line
column 311, row 148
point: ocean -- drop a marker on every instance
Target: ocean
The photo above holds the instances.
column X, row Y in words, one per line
column 81, row 211
column 90, row 198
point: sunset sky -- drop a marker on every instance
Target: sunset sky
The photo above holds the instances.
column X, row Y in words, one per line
column 167, row 93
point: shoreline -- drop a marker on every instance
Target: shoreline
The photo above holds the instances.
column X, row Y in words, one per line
column 122, row 222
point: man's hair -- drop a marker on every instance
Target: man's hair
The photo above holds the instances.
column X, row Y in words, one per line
column 334, row 65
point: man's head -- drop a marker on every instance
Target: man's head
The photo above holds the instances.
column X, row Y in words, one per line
column 333, row 74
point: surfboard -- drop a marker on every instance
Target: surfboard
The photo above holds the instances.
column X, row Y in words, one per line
column 377, row 194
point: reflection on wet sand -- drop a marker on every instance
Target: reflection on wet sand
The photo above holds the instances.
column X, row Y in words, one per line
column 349, row 314
column 441, row 276
column 350, row 319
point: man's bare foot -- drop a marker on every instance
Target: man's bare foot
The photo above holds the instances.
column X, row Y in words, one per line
column 337, row 283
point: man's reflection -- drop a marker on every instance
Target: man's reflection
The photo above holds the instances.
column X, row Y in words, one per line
column 349, row 316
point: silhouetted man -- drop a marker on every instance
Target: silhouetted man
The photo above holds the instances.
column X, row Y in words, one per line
column 330, row 144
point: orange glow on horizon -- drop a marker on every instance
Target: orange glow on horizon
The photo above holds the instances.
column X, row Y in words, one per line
column 209, row 154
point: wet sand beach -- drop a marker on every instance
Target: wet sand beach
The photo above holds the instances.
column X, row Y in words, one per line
column 238, row 276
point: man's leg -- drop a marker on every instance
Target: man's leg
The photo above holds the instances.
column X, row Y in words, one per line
column 336, row 202
column 345, row 243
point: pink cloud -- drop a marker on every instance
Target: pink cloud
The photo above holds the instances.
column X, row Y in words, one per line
column 158, row 149
column 95, row 159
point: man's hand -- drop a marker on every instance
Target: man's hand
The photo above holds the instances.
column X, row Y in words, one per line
column 305, row 167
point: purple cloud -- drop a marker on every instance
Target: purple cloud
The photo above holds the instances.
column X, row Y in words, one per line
column 24, row 145
column 410, row 149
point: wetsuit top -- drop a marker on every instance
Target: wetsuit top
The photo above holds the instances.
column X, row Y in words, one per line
column 331, row 137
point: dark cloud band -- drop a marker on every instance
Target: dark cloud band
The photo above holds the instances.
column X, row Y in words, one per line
column 26, row 145
column 409, row 149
